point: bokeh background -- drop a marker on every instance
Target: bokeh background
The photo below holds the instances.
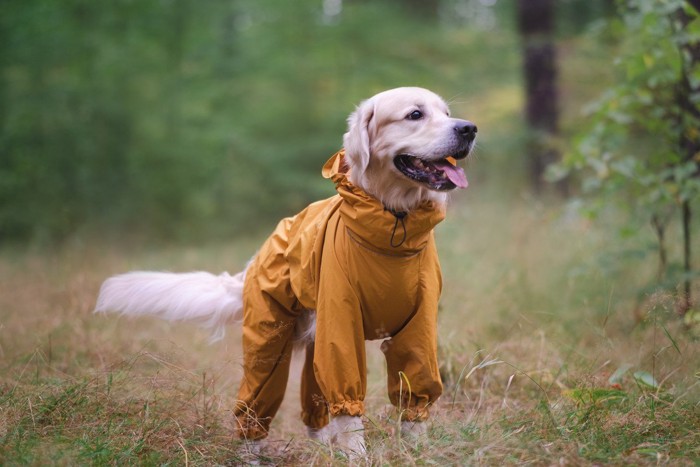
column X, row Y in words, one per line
column 188, row 120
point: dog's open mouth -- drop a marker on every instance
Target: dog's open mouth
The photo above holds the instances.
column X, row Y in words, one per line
column 439, row 175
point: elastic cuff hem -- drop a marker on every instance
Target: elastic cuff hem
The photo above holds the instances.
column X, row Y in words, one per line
column 352, row 408
column 414, row 414
column 249, row 426
column 317, row 420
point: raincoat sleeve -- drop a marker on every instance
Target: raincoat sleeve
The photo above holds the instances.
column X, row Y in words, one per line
column 411, row 354
column 339, row 356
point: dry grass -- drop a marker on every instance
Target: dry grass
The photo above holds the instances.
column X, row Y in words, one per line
column 533, row 325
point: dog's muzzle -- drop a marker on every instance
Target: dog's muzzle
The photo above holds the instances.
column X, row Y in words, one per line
column 441, row 174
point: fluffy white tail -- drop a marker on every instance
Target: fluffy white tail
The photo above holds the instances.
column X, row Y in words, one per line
column 209, row 300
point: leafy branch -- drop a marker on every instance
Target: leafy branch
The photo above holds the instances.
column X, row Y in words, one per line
column 642, row 143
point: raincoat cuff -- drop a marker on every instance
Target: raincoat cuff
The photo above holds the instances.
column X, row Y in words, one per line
column 250, row 427
column 252, row 430
column 315, row 420
column 414, row 414
column 352, row 408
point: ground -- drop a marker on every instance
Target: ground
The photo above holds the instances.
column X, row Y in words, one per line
column 543, row 358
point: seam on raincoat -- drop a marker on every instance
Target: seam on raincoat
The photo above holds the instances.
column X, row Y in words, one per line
column 356, row 239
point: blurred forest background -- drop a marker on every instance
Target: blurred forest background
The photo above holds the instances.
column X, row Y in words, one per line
column 189, row 120
column 174, row 134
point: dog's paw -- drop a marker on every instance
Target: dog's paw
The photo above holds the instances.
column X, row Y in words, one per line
column 349, row 436
column 413, row 431
column 322, row 435
column 252, row 450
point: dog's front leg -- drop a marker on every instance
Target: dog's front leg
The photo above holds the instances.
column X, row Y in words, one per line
column 349, row 435
column 322, row 435
column 339, row 359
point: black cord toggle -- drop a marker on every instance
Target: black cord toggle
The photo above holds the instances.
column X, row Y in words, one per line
column 399, row 215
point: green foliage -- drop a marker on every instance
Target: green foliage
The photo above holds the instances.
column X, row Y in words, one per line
column 630, row 147
column 641, row 145
column 190, row 118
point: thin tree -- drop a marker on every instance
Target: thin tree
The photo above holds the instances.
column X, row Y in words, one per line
column 689, row 141
column 536, row 26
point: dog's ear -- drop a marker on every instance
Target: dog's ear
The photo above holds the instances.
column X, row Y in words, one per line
column 356, row 140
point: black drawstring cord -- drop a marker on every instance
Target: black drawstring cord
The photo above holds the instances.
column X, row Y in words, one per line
column 400, row 215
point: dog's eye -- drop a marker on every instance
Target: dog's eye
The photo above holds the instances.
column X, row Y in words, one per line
column 415, row 115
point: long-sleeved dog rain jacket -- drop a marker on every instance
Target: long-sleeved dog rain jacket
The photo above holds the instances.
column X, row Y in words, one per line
column 369, row 274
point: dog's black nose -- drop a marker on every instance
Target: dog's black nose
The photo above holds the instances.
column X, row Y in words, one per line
column 466, row 129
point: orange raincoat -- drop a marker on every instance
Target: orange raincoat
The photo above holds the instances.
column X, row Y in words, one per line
column 369, row 274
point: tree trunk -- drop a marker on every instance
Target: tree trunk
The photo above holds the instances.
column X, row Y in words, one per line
column 689, row 140
column 536, row 26
column 226, row 66
column 422, row 8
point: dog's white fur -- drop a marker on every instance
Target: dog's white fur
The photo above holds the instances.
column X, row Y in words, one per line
column 200, row 297
column 377, row 131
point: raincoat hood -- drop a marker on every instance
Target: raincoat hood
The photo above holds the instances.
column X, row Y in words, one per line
column 375, row 226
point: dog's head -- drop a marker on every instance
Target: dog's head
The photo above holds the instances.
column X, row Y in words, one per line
column 398, row 143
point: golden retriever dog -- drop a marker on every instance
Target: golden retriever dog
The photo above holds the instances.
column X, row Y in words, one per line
column 361, row 265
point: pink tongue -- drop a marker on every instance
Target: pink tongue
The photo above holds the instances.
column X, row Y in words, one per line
column 454, row 173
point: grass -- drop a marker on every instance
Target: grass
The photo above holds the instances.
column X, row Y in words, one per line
column 542, row 357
